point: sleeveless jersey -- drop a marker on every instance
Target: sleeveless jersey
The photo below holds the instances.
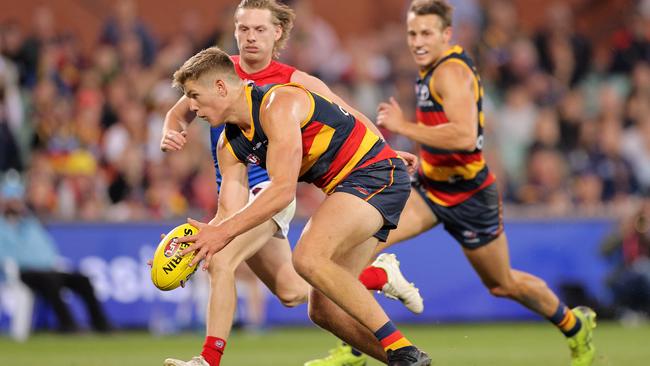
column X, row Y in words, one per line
column 334, row 143
column 275, row 73
column 450, row 177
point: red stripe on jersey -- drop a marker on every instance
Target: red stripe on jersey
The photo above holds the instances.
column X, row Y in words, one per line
column 309, row 134
column 431, row 118
column 386, row 153
column 345, row 153
column 450, row 159
column 452, row 199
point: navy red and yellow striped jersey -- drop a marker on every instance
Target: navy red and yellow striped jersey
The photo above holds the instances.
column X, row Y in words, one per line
column 334, row 143
column 450, row 177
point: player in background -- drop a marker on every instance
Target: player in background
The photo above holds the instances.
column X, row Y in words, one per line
column 298, row 135
column 454, row 186
column 261, row 30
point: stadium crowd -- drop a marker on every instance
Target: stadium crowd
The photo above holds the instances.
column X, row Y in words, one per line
column 568, row 120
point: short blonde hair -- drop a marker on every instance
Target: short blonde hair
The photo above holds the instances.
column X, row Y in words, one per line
column 282, row 15
column 209, row 60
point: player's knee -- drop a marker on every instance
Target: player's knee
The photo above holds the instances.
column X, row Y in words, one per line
column 292, row 297
column 221, row 265
column 304, row 264
column 509, row 289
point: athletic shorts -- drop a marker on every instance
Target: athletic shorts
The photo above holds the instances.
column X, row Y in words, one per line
column 474, row 222
column 385, row 185
column 282, row 218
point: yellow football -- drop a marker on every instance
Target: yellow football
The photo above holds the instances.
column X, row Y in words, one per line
column 169, row 268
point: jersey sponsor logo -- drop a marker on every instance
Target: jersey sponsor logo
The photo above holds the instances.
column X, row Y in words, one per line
column 253, row 159
column 480, row 141
column 422, row 91
column 471, row 237
column 361, row 189
column 259, row 145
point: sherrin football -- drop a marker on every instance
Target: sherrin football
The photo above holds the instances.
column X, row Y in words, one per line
column 169, row 269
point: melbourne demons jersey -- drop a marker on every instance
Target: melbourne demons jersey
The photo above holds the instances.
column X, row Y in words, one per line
column 450, row 177
column 334, row 143
column 275, row 73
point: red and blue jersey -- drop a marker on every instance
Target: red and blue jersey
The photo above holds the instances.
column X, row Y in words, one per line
column 334, row 142
column 450, row 177
column 275, row 73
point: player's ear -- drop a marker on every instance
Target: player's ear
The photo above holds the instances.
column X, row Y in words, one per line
column 447, row 33
column 278, row 32
column 221, row 87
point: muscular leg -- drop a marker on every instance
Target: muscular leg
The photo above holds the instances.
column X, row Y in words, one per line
column 492, row 263
column 415, row 219
column 272, row 264
column 326, row 258
column 326, row 314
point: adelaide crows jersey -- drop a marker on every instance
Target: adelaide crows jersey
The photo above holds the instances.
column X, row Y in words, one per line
column 448, row 176
column 334, row 142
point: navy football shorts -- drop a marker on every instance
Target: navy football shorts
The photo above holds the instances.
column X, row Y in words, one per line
column 474, row 222
column 385, row 185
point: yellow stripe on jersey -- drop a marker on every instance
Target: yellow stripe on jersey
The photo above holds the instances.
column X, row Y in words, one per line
column 248, row 90
column 435, row 199
column 369, row 140
column 442, row 173
column 318, row 147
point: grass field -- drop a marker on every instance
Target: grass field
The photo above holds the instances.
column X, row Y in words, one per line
column 450, row 345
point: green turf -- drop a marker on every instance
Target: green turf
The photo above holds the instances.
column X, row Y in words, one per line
column 449, row 345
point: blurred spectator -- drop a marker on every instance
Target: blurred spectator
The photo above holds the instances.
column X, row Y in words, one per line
column 124, row 29
column 563, row 53
column 628, row 249
column 11, row 116
column 631, row 43
column 25, row 241
column 636, row 149
column 313, row 39
column 546, row 182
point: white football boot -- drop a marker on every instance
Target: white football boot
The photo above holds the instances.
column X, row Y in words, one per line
column 397, row 287
column 195, row 361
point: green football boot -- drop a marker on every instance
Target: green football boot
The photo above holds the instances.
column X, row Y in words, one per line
column 582, row 348
column 340, row 356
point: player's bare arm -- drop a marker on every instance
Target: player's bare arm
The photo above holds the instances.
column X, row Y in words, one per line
column 455, row 84
column 174, row 127
column 285, row 109
column 233, row 197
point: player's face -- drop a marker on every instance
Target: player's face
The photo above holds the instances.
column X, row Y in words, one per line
column 427, row 38
column 256, row 34
column 207, row 98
